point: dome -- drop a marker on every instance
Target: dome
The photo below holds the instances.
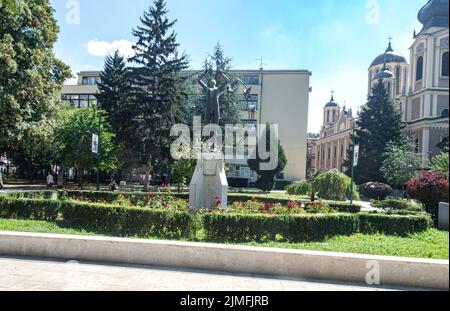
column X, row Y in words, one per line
column 389, row 56
column 384, row 74
column 331, row 103
column 434, row 14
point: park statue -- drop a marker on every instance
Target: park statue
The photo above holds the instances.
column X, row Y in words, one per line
column 213, row 93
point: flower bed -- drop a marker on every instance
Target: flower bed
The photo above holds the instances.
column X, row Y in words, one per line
column 168, row 216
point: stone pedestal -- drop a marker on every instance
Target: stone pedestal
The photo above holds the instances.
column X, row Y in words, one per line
column 209, row 182
column 443, row 216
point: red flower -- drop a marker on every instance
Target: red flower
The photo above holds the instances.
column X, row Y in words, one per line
column 150, row 195
column 217, row 201
column 210, row 211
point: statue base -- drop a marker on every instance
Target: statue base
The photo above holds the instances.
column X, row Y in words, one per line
column 209, row 182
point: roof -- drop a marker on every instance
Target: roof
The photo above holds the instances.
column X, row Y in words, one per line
column 434, row 14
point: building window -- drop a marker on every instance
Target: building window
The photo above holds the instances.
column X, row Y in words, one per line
column 444, row 69
column 416, row 144
column 335, row 152
column 419, row 69
column 80, row 100
column 90, row 80
column 250, row 79
column 251, row 102
column 329, row 153
column 342, row 151
column 444, row 113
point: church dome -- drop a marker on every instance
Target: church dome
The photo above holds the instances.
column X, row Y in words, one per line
column 384, row 74
column 389, row 56
column 434, row 14
column 331, row 103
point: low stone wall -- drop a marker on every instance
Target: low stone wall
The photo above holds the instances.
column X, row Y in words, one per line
column 423, row 273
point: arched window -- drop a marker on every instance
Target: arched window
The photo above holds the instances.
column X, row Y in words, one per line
column 445, row 64
column 416, row 143
column 444, row 113
column 419, row 68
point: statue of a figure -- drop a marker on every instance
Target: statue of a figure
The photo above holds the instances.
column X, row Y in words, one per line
column 213, row 93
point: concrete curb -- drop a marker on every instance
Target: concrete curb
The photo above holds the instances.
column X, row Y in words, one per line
column 408, row 272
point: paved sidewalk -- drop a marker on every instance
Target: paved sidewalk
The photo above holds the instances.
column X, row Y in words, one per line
column 19, row 274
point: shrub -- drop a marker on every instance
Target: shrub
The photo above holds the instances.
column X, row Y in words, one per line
column 397, row 205
column 299, row 188
column 392, row 224
column 333, row 186
column 345, row 207
column 129, row 221
column 429, row 188
column 440, row 162
column 299, row 228
column 37, row 209
column 377, row 190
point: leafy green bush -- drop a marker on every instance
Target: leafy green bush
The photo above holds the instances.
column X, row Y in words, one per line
column 345, row 207
column 222, row 227
column 129, row 221
column 334, row 186
column 440, row 163
column 377, row 190
column 397, row 205
column 37, row 209
column 393, row 224
column 299, row 188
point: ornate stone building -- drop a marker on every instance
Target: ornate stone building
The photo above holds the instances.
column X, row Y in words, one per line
column 421, row 90
column 334, row 140
column 425, row 106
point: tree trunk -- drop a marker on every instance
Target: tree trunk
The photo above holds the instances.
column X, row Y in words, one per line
column 61, row 175
column 148, row 168
column 1, row 179
column 80, row 181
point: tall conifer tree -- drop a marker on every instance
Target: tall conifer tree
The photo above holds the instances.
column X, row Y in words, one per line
column 156, row 83
column 379, row 123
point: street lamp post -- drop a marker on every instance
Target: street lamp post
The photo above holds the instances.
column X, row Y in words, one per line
column 99, row 148
column 353, row 163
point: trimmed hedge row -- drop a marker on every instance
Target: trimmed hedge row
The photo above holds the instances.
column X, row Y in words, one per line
column 129, row 221
column 38, row 209
column 393, row 224
column 144, row 222
column 290, row 228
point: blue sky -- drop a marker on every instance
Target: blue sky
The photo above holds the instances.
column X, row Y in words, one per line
column 335, row 39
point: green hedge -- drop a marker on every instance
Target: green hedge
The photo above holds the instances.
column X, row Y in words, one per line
column 393, row 224
column 302, row 228
column 144, row 222
column 38, row 209
column 129, row 221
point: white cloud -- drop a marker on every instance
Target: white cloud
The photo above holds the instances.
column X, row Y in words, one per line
column 103, row 48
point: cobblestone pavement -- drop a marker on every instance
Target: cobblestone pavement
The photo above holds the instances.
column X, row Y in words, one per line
column 19, row 274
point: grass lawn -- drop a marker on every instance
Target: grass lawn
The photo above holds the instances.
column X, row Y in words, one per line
column 430, row 244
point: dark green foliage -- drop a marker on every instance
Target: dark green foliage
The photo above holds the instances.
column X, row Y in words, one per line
column 299, row 188
column 266, row 178
column 268, row 228
column 129, row 221
column 157, row 87
column 393, row 224
column 147, row 222
column 37, row 209
column 114, row 96
column 377, row 190
column 379, row 123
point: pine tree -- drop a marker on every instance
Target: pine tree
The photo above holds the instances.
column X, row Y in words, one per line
column 114, row 96
column 156, row 84
column 379, row 123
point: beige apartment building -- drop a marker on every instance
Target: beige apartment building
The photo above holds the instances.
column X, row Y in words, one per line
column 421, row 89
column 277, row 96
